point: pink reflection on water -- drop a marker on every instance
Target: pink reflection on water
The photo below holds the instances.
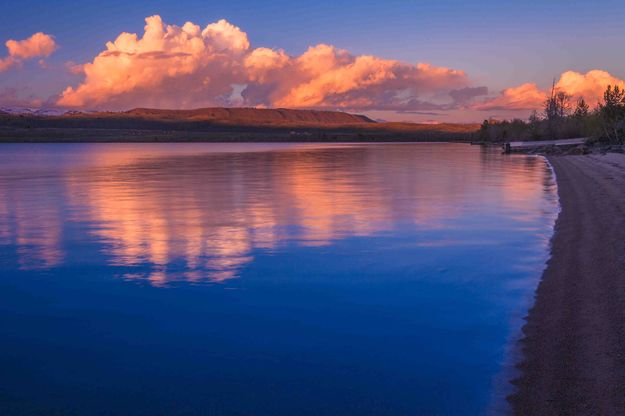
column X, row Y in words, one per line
column 212, row 207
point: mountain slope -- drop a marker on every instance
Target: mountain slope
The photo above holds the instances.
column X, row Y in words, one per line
column 249, row 116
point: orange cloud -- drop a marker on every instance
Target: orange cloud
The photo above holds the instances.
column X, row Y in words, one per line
column 39, row 45
column 523, row 97
column 183, row 67
column 169, row 66
column 326, row 77
column 74, row 68
column 589, row 86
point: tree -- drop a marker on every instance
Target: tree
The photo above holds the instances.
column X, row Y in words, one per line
column 558, row 105
column 612, row 112
column 484, row 130
column 556, row 108
column 581, row 109
column 534, row 118
column 534, row 125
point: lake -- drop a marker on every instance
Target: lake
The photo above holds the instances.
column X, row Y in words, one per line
column 266, row 279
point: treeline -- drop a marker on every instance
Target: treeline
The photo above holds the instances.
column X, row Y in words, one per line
column 565, row 118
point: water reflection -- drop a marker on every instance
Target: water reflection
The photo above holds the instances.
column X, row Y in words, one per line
column 31, row 220
column 211, row 210
column 300, row 279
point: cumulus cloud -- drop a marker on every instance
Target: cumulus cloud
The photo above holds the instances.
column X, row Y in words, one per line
column 589, row 86
column 169, row 66
column 187, row 66
column 326, row 77
column 39, row 45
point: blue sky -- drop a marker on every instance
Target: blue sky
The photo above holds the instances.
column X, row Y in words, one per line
column 498, row 43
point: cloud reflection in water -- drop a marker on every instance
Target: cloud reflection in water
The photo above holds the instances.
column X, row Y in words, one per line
column 200, row 215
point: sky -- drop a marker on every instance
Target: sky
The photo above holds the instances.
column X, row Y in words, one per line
column 395, row 60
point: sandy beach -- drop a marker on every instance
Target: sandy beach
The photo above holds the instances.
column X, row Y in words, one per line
column 574, row 345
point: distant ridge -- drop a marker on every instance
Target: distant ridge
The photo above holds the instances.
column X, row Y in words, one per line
column 250, row 116
column 218, row 124
column 221, row 115
column 32, row 111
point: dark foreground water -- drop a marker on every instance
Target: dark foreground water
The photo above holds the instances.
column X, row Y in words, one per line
column 260, row 279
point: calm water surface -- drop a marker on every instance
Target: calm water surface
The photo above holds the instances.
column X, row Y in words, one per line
column 265, row 279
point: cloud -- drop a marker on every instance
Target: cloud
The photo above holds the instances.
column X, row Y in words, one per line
column 184, row 67
column 420, row 113
column 169, row 66
column 326, row 77
column 39, row 45
column 589, row 86
column 465, row 95
column 12, row 97
column 74, row 68
column 6, row 63
column 524, row 97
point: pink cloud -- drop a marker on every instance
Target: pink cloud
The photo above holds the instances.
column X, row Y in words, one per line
column 6, row 63
column 524, row 97
column 589, row 86
column 184, row 67
column 39, row 45
column 169, row 66
column 74, row 68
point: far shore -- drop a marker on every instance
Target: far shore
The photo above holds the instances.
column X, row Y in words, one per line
column 574, row 339
column 226, row 135
column 155, row 136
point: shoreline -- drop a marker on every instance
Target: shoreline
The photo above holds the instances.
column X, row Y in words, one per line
column 242, row 141
column 504, row 385
column 124, row 136
column 258, row 136
column 573, row 354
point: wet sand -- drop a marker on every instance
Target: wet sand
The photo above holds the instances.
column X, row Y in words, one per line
column 574, row 345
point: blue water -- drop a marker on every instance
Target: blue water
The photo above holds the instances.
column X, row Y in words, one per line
column 265, row 279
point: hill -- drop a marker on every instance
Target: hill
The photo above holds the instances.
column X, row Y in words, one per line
column 251, row 116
